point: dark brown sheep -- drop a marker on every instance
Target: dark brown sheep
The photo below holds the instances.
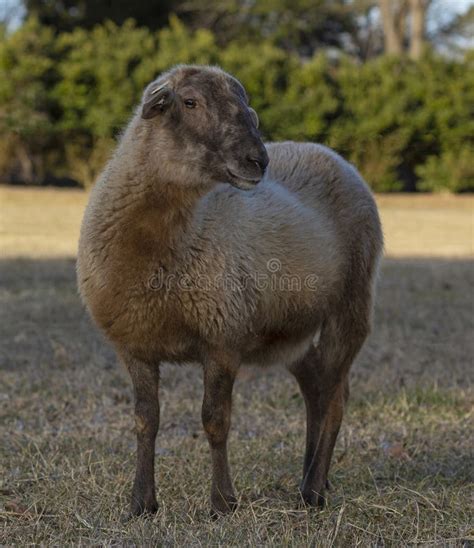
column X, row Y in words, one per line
column 176, row 265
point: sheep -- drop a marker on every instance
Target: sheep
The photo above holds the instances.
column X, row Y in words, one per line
column 188, row 242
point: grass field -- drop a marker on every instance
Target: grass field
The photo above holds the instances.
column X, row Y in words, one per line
column 404, row 464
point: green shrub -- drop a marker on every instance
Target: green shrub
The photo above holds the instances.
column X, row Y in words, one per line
column 64, row 98
column 452, row 171
column 27, row 77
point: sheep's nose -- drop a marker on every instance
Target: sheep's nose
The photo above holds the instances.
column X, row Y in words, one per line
column 260, row 159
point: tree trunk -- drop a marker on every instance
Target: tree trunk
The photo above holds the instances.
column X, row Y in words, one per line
column 393, row 20
column 418, row 21
column 26, row 172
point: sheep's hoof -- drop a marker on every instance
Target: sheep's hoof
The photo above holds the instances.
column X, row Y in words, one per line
column 223, row 505
column 141, row 508
column 312, row 499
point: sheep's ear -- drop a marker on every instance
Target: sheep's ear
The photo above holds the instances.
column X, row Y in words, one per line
column 157, row 101
column 254, row 116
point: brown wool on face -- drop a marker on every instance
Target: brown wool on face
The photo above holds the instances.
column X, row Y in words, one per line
column 194, row 195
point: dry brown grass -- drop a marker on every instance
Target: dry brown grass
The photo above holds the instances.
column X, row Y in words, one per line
column 403, row 470
column 427, row 226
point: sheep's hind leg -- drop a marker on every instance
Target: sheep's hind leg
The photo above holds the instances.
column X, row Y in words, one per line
column 322, row 377
column 331, row 431
column 219, row 376
column 145, row 378
column 315, row 479
column 306, row 372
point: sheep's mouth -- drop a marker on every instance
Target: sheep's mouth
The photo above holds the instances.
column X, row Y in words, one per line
column 241, row 181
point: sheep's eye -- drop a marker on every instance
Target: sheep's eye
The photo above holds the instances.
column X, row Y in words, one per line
column 190, row 103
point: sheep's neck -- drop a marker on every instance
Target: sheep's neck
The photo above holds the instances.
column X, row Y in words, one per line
column 162, row 214
column 163, row 220
column 174, row 217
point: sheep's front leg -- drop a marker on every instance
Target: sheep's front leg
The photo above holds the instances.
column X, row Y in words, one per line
column 219, row 376
column 145, row 378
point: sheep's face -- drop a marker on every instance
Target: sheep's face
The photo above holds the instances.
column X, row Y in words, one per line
column 202, row 129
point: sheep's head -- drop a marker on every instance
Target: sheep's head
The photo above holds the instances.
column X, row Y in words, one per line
column 199, row 123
